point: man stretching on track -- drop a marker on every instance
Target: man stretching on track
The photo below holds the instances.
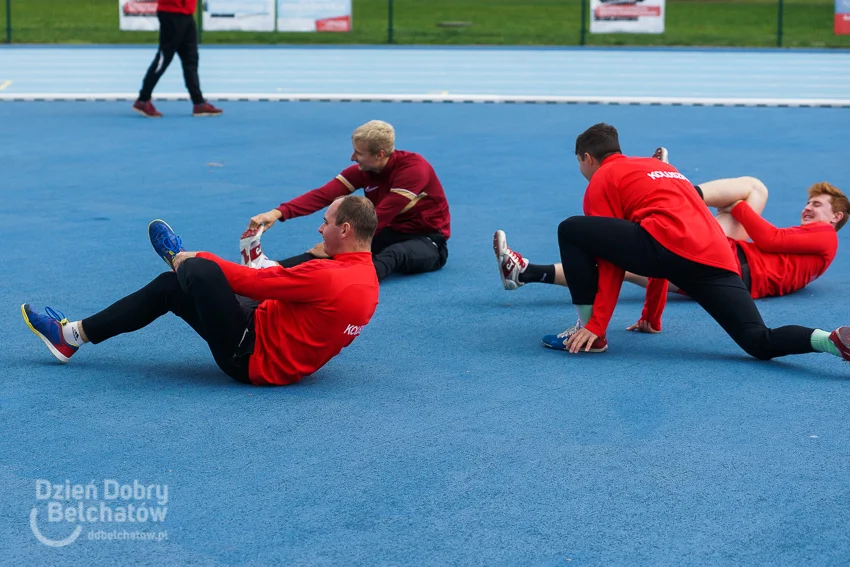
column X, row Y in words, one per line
column 643, row 216
column 414, row 223
column 265, row 328
column 772, row 261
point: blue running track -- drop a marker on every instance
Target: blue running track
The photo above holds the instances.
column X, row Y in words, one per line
column 445, row 435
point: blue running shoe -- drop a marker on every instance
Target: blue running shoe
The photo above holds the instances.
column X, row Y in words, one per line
column 164, row 241
column 559, row 341
column 49, row 329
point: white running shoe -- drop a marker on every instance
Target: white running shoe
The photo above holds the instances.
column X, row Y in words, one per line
column 250, row 251
column 662, row 154
column 511, row 264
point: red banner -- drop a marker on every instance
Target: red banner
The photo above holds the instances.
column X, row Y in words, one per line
column 627, row 11
column 842, row 24
column 339, row 24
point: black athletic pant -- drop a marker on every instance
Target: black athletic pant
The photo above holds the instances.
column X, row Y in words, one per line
column 720, row 292
column 200, row 295
column 177, row 34
column 398, row 253
column 742, row 257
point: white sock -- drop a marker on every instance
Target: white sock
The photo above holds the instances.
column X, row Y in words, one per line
column 821, row 343
column 264, row 262
column 71, row 332
column 584, row 313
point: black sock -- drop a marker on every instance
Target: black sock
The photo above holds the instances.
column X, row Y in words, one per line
column 538, row 273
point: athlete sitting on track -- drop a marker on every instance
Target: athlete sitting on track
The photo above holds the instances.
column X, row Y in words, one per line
column 267, row 328
column 413, row 214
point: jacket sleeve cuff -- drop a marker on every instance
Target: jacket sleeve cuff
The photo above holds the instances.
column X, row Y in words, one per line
column 595, row 329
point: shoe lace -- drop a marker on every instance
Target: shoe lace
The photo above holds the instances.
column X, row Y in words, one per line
column 53, row 314
column 513, row 260
column 171, row 242
column 571, row 331
column 252, row 233
column 516, row 257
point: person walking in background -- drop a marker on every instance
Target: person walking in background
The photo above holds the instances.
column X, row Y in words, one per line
column 177, row 34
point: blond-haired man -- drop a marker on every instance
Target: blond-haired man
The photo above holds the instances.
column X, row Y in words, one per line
column 413, row 213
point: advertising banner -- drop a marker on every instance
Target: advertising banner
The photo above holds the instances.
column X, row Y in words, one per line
column 842, row 17
column 314, row 15
column 238, row 15
column 627, row 16
column 137, row 15
column 219, row 15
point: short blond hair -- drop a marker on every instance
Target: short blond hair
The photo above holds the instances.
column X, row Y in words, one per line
column 837, row 199
column 377, row 134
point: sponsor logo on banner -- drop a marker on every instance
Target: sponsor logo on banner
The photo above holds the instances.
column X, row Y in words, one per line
column 238, row 15
column 627, row 16
column 140, row 8
column 248, row 15
column 626, row 11
column 314, row 15
column 137, row 15
column 842, row 17
column 218, row 15
column 842, row 24
column 340, row 24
